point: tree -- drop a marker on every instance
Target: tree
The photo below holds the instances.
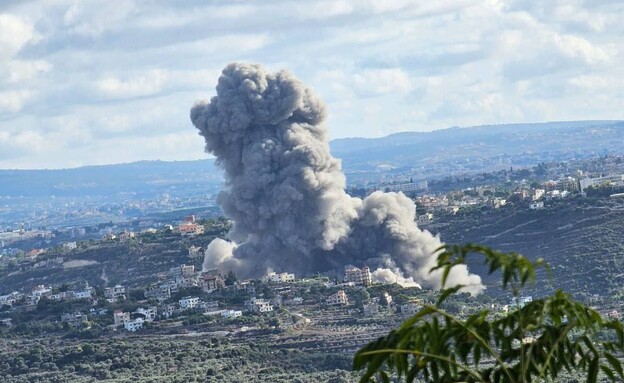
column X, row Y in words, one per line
column 538, row 341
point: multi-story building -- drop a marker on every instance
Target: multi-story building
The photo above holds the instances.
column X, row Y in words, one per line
column 340, row 298
column 358, row 276
column 113, row 294
column 209, row 282
column 280, row 278
column 258, row 305
column 134, row 325
column 120, row 317
column 187, row 303
column 149, row 313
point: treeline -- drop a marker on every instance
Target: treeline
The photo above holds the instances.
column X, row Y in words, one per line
column 174, row 360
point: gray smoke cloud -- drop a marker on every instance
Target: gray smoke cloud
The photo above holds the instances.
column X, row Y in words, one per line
column 286, row 193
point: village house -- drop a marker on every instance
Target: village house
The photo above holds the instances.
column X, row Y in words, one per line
column 115, row 293
column 209, row 282
column 188, row 303
column 74, row 319
column 148, row 314
column 340, row 298
column 134, row 325
column 258, row 305
column 120, row 317
column 358, row 276
column 280, row 278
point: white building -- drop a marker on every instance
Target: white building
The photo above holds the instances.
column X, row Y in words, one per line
column 134, row 325
column 615, row 180
column 231, row 314
column 340, row 298
column 149, row 313
column 536, row 205
column 280, row 278
column 187, row 303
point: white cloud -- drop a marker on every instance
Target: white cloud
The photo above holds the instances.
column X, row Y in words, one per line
column 104, row 81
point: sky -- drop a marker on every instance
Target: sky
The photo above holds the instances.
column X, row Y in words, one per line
column 99, row 81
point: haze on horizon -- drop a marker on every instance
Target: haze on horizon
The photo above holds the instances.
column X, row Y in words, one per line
column 98, row 82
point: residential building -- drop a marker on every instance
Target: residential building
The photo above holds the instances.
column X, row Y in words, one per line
column 358, row 276
column 536, row 205
column 115, row 293
column 134, row 325
column 191, row 229
column 70, row 246
column 231, row 314
column 340, row 298
column 120, row 317
column 187, row 303
column 258, row 305
column 148, row 313
column 209, row 282
column 280, row 278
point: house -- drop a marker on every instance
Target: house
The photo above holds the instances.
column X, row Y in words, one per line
column 195, row 251
column 229, row 314
column 134, row 325
column 168, row 310
column 188, row 303
column 258, row 305
column 113, row 294
column 190, row 229
column 358, row 276
column 120, row 317
column 126, row 236
column 161, row 293
column 148, row 314
column 280, row 278
column 70, row 246
column 209, row 282
column 10, row 299
column 209, row 306
column 340, row 298
column 536, row 205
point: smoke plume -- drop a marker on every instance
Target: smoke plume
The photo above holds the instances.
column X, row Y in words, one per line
column 286, row 193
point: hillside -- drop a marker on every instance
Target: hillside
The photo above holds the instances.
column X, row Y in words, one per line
column 581, row 239
column 480, row 147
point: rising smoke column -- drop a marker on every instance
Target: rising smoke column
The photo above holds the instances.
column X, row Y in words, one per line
column 285, row 191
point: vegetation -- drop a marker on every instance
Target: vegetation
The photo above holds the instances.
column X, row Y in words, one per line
column 540, row 340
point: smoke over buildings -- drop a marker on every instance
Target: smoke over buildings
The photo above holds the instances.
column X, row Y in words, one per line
column 285, row 191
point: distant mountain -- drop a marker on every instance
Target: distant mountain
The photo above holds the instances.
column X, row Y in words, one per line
column 480, row 144
column 430, row 154
column 140, row 179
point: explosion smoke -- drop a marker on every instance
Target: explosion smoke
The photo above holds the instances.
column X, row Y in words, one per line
column 286, row 192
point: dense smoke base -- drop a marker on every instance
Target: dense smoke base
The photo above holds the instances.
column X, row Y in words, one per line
column 286, row 192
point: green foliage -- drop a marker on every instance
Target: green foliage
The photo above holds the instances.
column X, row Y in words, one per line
column 539, row 341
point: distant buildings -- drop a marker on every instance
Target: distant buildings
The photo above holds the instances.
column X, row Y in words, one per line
column 614, row 180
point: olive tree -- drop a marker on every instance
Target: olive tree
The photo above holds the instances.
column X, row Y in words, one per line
column 541, row 340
